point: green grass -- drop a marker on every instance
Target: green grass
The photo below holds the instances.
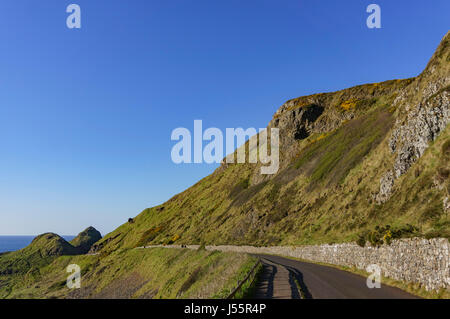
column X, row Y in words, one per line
column 43, row 250
column 138, row 273
column 332, row 157
column 247, row 287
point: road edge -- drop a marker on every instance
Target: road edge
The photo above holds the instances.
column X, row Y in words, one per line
column 409, row 287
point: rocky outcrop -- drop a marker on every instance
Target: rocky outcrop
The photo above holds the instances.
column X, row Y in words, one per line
column 386, row 185
column 299, row 123
column 422, row 126
column 446, row 204
column 425, row 104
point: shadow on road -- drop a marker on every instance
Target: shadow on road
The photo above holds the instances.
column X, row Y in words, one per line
column 290, row 278
column 264, row 288
column 277, row 282
column 299, row 276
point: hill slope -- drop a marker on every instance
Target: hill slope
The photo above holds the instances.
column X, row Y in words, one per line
column 351, row 160
column 86, row 239
column 136, row 273
column 44, row 249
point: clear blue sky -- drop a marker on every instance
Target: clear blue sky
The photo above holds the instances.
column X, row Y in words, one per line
column 86, row 115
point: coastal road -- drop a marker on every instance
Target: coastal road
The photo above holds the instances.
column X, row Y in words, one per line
column 284, row 278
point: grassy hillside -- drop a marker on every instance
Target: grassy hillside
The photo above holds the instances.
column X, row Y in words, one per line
column 337, row 155
column 24, row 266
column 42, row 250
column 136, row 273
column 86, row 239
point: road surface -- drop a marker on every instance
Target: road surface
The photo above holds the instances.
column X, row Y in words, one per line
column 284, row 278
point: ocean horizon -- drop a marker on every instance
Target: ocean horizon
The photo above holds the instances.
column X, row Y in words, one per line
column 13, row 243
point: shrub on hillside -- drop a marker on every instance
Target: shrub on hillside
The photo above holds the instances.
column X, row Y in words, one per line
column 385, row 234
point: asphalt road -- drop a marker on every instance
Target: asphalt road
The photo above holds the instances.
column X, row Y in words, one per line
column 282, row 278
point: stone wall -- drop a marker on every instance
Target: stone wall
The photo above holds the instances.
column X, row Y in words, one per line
column 409, row 260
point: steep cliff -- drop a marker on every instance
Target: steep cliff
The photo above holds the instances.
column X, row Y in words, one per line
column 350, row 161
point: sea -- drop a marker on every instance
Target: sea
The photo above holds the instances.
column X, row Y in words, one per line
column 12, row 243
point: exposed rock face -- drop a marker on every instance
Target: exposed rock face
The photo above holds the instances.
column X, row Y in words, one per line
column 446, row 204
column 84, row 241
column 298, row 124
column 423, row 126
column 386, row 185
column 294, row 125
column 426, row 105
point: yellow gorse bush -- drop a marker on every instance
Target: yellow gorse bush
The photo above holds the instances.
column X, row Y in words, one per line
column 349, row 104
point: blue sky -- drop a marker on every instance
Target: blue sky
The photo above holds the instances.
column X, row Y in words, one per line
column 86, row 115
